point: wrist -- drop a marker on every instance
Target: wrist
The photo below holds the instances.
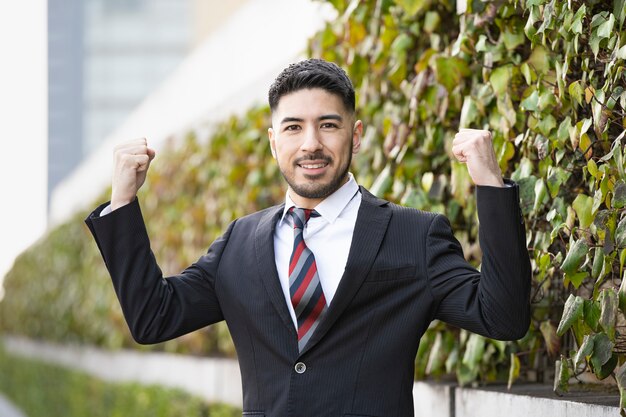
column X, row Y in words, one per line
column 492, row 182
column 117, row 202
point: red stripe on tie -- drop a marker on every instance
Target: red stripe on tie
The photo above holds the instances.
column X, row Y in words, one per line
column 302, row 331
column 296, row 256
column 295, row 300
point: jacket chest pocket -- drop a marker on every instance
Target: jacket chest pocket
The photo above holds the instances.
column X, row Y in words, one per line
column 391, row 274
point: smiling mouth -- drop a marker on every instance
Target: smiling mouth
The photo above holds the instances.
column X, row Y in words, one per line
column 313, row 166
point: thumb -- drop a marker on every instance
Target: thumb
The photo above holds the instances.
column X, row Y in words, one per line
column 151, row 153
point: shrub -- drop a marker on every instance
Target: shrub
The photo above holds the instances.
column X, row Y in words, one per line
column 44, row 390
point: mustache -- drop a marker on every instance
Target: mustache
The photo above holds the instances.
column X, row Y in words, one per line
column 318, row 156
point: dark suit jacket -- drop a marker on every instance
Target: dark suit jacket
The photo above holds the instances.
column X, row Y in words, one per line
column 405, row 268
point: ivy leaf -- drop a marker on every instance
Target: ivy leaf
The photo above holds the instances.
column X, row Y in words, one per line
column 584, row 351
column 512, row 39
column 598, row 263
column 513, row 370
column 547, row 123
column 608, row 315
column 576, row 91
column 576, row 278
column 561, row 376
column 431, row 22
column 411, row 7
column 500, row 79
column 539, row 59
column 474, row 350
column 556, row 178
column 527, row 193
column 619, row 195
column 450, row 71
column 621, row 296
column 563, row 132
column 436, row 357
column 592, row 167
column 577, row 23
column 602, row 352
column 620, row 233
column 547, row 100
column 553, row 342
column 575, row 256
column 572, row 311
column 526, row 72
column 606, row 28
column 583, row 205
column 585, row 145
column 620, row 377
column 591, row 313
column 469, row 112
column 530, row 103
column 402, row 43
column 383, row 182
column 594, row 42
column 607, row 369
column 622, row 261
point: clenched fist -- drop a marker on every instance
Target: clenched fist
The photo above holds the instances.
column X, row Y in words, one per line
column 131, row 162
column 474, row 148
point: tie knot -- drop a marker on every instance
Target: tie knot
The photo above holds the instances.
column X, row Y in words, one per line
column 301, row 216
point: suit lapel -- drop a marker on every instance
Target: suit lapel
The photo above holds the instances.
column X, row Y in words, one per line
column 264, row 248
column 369, row 230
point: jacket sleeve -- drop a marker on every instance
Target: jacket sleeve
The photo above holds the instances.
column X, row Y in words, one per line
column 495, row 301
column 156, row 308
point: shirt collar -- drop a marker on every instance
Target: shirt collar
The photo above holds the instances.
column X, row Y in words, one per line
column 331, row 207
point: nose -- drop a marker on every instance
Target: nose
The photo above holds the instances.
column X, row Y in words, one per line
column 312, row 141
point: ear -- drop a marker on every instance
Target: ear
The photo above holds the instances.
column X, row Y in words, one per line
column 357, row 132
column 270, row 135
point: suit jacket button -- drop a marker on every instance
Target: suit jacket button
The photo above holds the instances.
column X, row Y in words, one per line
column 300, row 368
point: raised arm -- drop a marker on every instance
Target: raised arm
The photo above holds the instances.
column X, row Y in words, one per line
column 495, row 301
column 156, row 308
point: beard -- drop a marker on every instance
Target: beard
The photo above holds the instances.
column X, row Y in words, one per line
column 313, row 189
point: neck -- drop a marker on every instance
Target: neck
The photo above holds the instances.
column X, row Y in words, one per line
column 311, row 203
column 304, row 202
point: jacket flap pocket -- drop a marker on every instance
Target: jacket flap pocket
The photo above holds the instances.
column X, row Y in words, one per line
column 404, row 272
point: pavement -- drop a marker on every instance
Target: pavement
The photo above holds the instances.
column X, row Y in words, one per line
column 7, row 409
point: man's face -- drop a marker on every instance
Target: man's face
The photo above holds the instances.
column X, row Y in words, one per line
column 313, row 137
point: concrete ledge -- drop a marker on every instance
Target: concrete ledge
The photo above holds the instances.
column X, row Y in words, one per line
column 7, row 409
column 533, row 400
column 433, row 399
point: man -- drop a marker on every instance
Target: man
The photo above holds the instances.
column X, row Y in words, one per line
column 327, row 306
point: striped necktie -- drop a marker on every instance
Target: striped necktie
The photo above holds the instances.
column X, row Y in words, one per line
column 305, row 289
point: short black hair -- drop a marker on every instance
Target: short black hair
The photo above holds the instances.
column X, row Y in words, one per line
column 313, row 73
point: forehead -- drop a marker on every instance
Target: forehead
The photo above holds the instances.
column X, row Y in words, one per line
column 309, row 101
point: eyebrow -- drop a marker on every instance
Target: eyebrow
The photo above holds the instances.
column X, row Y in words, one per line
column 322, row 117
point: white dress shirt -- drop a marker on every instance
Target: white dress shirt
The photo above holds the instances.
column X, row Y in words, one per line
column 328, row 237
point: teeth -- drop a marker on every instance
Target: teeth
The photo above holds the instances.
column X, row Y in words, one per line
column 313, row 166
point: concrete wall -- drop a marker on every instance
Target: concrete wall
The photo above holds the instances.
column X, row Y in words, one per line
column 220, row 380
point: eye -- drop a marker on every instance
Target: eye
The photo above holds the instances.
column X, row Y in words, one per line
column 292, row 128
column 329, row 125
